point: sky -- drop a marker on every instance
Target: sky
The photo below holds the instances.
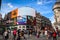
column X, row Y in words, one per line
column 44, row 7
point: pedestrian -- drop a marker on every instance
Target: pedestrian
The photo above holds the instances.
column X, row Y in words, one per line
column 37, row 35
column 14, row 33
column 46, row 34
column 6, row 36
column 54, row 35
column 22, row 35
column 19, row 37
column 57, row 32
column 30, row 33
column 18, row 32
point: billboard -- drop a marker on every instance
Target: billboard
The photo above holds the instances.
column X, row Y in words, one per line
column 26, row 11
column 14, row 13
column 21, row 20
column 31, row 20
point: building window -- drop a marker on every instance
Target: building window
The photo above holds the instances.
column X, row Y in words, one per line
column 23, row 26
column 19, row 26
column 57, row 16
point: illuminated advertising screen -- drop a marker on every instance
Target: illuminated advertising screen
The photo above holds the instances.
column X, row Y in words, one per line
column 31, row 20
column 21, row 20
column 26, row 11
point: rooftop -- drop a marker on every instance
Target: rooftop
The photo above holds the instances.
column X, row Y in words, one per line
column 58, row 0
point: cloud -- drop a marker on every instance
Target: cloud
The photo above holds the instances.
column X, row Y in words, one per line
column 52, row 19
column 39, row 2
column 42, row 2
column 48, row 1
column 46, row 12
column 10, row 5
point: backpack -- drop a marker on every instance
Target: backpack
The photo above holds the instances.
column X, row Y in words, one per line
column 14, row 32
column 54, row 34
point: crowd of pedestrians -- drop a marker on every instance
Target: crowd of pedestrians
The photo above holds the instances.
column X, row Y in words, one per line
column 19, row 34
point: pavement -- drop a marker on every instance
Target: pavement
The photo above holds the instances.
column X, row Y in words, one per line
column 1, row 37
column 35, row 38
column 28, row 37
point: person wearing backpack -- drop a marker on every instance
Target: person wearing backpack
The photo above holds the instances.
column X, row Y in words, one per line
column 54, row 35
column 14, row 33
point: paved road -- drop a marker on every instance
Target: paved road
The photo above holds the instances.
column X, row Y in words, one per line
column 35, row 38
column 28, row 38
column 1, row 37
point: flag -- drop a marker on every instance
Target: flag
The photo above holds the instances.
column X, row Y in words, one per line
column 14, row 13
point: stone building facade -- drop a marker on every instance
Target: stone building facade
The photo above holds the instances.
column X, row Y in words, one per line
column 56, row 9
column 0, row 18
column 42, row 21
